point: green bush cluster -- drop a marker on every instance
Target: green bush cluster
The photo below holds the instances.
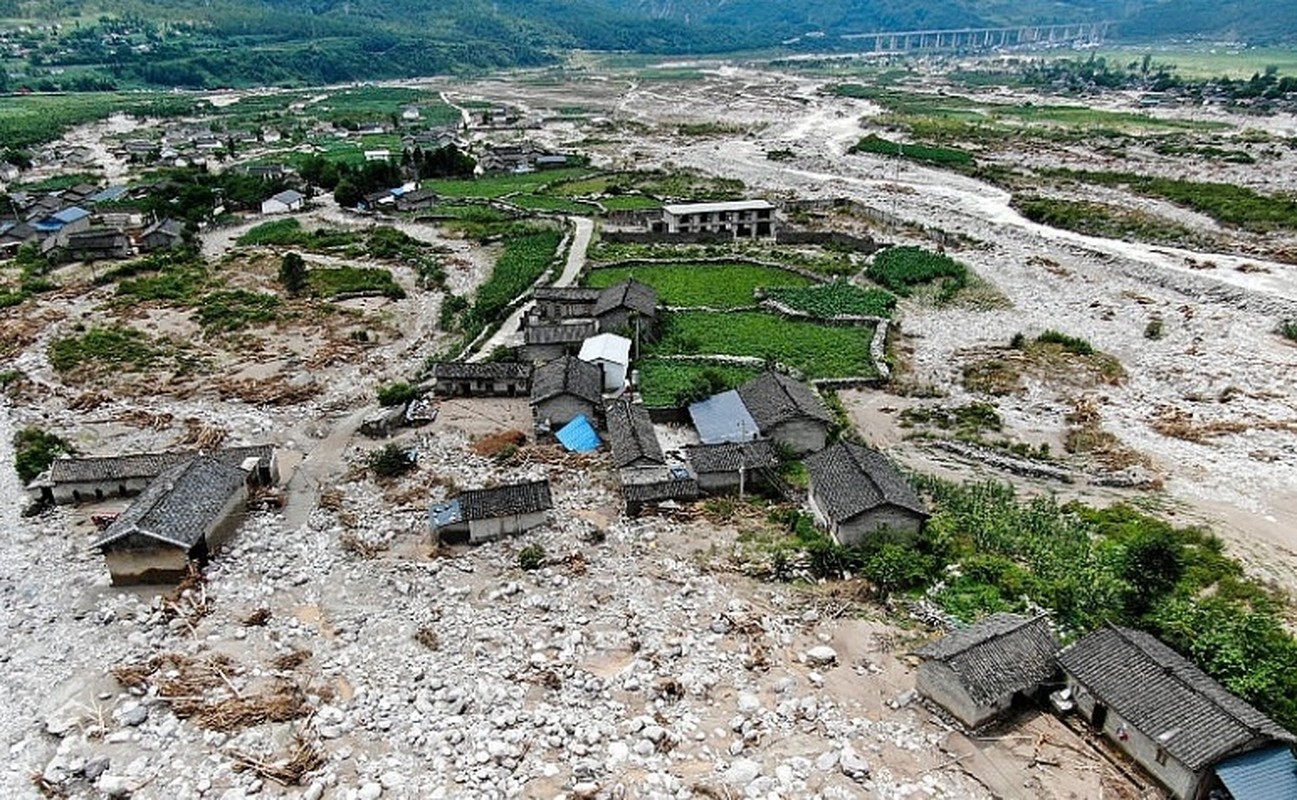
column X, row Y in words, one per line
column 1071, row 344
column 927, row 154
column 902, row 269
column 110, row 346
column 391, row 461
column 35, row 450
column 395, row 394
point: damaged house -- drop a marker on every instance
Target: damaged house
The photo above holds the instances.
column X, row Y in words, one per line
column 480, row 515
column 732, row 467
column 1181, row 726
column 76, row 480
column 789, row 412
column 563, row 390
column 481, row 379
column 180, row 519
column 975, row 673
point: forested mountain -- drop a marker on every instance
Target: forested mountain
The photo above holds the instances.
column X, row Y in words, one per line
column 206, row 43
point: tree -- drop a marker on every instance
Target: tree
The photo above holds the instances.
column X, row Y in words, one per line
column 292, row 273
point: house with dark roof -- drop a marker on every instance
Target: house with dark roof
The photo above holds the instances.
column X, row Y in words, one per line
column 558, row 303
column 625, row 306
column 631, row 435
column 181, row 518
column 654, row 485
column 548, row 341
column 92, row 244
column 858, row 493
column 728, row 467
column 1184, row 728
column 480, row 379
column 564, row 389
column 74, row 480
column 789, row 412
column 480, row 515
column 976, row 672
column 165, row 234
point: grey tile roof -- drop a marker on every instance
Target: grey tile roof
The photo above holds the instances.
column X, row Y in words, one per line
column 1002, row 654
column 567, row 294
column 505, row 501
column 631, row 435
column 848, row 479
column 560, row 333
column 1158, row 692
column 93, row 469
column 727, row 456
column 656, row 484
column 481, row 370
column 167, row 226
column 179, row 505
column 630, row 294
column 567, row 375
column 773, row 398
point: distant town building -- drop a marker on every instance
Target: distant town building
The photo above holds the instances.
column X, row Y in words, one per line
column 742, row 219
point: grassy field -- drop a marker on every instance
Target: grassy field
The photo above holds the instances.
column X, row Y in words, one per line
column 1206, row 61
column 629, row 202
column 500, row 185
column 712, row 285
column 1224, row 202
column 34, row 119
column 557, row 205
column 663, row 381
column 332, row 282
column 819, row 351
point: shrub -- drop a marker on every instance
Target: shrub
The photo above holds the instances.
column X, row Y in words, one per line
column 1153, row 330
column 531, row 557
column 115, row 345
column 901, row 269
column 35, row 450
column 1288, row 329
column 1071, row 344
column 292, row 272
column 391, row 461
column 395, row 394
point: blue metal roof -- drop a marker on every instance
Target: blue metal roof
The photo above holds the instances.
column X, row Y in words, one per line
column 1269, row 774
column 442, row 514
column 579, row 436
column 723, row 418
column 109, row 194
column 68, row 215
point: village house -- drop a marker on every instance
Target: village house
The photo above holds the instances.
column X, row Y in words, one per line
column 284, row 202
column 645, row 486
column 559, row 303
column 109, row 194
column 730, row 467
column 480, row 515
column 546, row 342
column 858, row 493
column 975, row 673
column 632, row 438
column 630, row 307
column 14, row 236
column 742, row 219
column 75, row 480
column 787, row 411
column 67, row 220
column 165, row 234
column 481, row 379
column 92, row 244
column 563, row 390
column 78, row 194
column 1177, row 723
column 611, row 353
column 416, row 200
column 183, row 516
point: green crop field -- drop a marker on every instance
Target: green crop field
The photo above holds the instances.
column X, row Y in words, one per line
column 663, row 381
column 557, row 205
column 819, row 351
column 500, row 185
column 628, row 202
column 691, row 284
column 39, row 118
column 839, row 297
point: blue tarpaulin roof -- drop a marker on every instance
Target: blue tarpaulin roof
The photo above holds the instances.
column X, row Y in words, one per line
column 579, row 436
column 723, row 418
column 1260, row 775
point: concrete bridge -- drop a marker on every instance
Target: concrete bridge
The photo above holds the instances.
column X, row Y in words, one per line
column 982, row 38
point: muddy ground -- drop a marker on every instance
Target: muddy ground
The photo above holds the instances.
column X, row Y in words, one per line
column 637, row 662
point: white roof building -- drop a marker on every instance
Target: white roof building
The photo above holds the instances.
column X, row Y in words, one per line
column 612, row 354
